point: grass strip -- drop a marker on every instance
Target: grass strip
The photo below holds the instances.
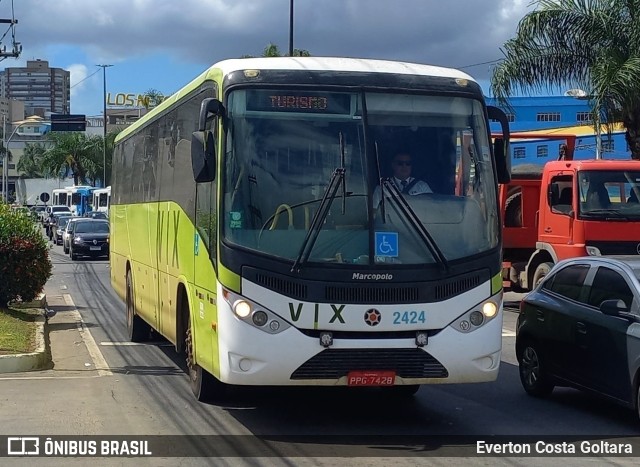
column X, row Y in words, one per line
column 17, row 330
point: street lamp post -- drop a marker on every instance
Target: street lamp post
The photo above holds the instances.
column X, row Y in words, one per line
column 290, row 28
column 583, row 95
column 5, row 144
column 104, row 117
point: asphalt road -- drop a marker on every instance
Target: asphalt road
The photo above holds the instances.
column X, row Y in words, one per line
column 143, row 390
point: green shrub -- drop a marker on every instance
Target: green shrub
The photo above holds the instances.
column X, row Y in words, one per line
column 24, row 257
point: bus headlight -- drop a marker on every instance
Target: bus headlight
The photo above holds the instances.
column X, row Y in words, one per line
column 259, row 318
column 242, row 308
column 253, row 314
column 489, row 309
column 476, row 318
column 478, row 315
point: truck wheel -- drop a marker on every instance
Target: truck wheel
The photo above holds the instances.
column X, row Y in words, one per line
column 137, row 328
column 541, row 271
column 205, row 387
column 513, row 211
column 532, row 374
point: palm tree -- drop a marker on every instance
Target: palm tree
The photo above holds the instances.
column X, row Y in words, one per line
column 74, row 153
column 593, row 45
column 272, row 50
column 30, row 163
column 152, row 97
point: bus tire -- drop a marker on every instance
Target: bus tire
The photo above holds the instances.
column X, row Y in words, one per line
column 541, row 272
column 403, row 390
column 204, row 385
column 137, row 328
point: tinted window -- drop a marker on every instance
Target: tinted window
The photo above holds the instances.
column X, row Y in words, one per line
column 609, row 285
column 568, row 281
column 91, row 227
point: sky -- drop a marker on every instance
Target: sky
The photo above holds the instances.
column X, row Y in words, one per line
column 164, row 44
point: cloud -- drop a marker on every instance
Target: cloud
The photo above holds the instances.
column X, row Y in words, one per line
column 78, row 74
column 451, row 33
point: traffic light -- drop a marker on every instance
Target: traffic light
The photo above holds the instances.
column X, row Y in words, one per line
column 68, row 122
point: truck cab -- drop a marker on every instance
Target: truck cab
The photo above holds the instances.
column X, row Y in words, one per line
column 567, row 209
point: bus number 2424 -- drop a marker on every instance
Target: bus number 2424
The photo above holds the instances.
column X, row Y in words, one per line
column 408, row 317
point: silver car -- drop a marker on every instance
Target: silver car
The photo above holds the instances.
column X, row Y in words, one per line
column 66, row 235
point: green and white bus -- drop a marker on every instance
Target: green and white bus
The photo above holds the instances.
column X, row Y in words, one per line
column 255, row 225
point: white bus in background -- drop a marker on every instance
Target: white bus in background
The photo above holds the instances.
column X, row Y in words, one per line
column 101, row 199
column 59, row 196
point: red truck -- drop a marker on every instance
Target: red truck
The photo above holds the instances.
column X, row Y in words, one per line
column 564, row 209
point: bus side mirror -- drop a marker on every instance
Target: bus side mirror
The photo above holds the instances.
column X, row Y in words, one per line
column 203, row 156
column 501, row 145
column 203, row 144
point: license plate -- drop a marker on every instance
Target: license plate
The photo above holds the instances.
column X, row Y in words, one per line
column 95, row 248
column 371, row 378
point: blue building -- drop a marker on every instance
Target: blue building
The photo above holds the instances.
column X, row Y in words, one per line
column 562, row 115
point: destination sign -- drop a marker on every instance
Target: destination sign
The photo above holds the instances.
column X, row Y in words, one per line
column 297, row 101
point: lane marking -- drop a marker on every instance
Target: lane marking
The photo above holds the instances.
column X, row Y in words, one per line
column 99, row 363
column 128, row 344
column 506, row 333
column 18, row 378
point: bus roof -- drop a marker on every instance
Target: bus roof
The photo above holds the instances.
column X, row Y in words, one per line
column 338, row 64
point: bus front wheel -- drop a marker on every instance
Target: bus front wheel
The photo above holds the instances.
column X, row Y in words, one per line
column 205, row 387
column 137, row 328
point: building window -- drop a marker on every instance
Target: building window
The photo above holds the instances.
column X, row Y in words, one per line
column 511, row 118
column 608, row 145
column 543, row 151
column 519, row 152
column 548, row 117
column 583, row 117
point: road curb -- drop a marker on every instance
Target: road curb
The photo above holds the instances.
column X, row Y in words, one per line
column 40, row 357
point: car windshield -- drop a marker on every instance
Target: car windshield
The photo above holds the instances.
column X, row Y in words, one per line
column 91, row 227
column 63, row 221
column 284, row 150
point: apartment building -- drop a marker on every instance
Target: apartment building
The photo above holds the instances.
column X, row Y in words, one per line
column 42, row 89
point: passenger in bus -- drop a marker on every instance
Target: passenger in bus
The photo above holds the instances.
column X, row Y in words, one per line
column 401, row 165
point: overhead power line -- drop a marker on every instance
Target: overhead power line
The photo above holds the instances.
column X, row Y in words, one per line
column 15, row 48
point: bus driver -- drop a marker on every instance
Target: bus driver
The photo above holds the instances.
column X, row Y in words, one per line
column 402, row 179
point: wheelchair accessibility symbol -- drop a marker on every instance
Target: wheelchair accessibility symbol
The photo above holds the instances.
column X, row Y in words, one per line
column 387, row 244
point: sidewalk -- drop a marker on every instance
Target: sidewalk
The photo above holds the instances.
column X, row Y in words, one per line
column 64, row 348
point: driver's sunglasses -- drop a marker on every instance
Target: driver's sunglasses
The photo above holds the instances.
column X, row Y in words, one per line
column 407, row 163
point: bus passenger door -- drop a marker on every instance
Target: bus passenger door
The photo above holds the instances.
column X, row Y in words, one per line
column 205, row 260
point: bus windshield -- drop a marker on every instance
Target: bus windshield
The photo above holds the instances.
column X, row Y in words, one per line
column 283, row 148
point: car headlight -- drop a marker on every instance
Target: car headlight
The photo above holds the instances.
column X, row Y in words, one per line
column 593, row 251
column 77, row 240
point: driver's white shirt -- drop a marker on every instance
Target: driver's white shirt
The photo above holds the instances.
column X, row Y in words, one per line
column 421, row 187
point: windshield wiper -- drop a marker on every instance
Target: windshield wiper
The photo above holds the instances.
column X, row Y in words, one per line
column 321, row 214
column 337, row 179
column 381, row 185
column 417, row 224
